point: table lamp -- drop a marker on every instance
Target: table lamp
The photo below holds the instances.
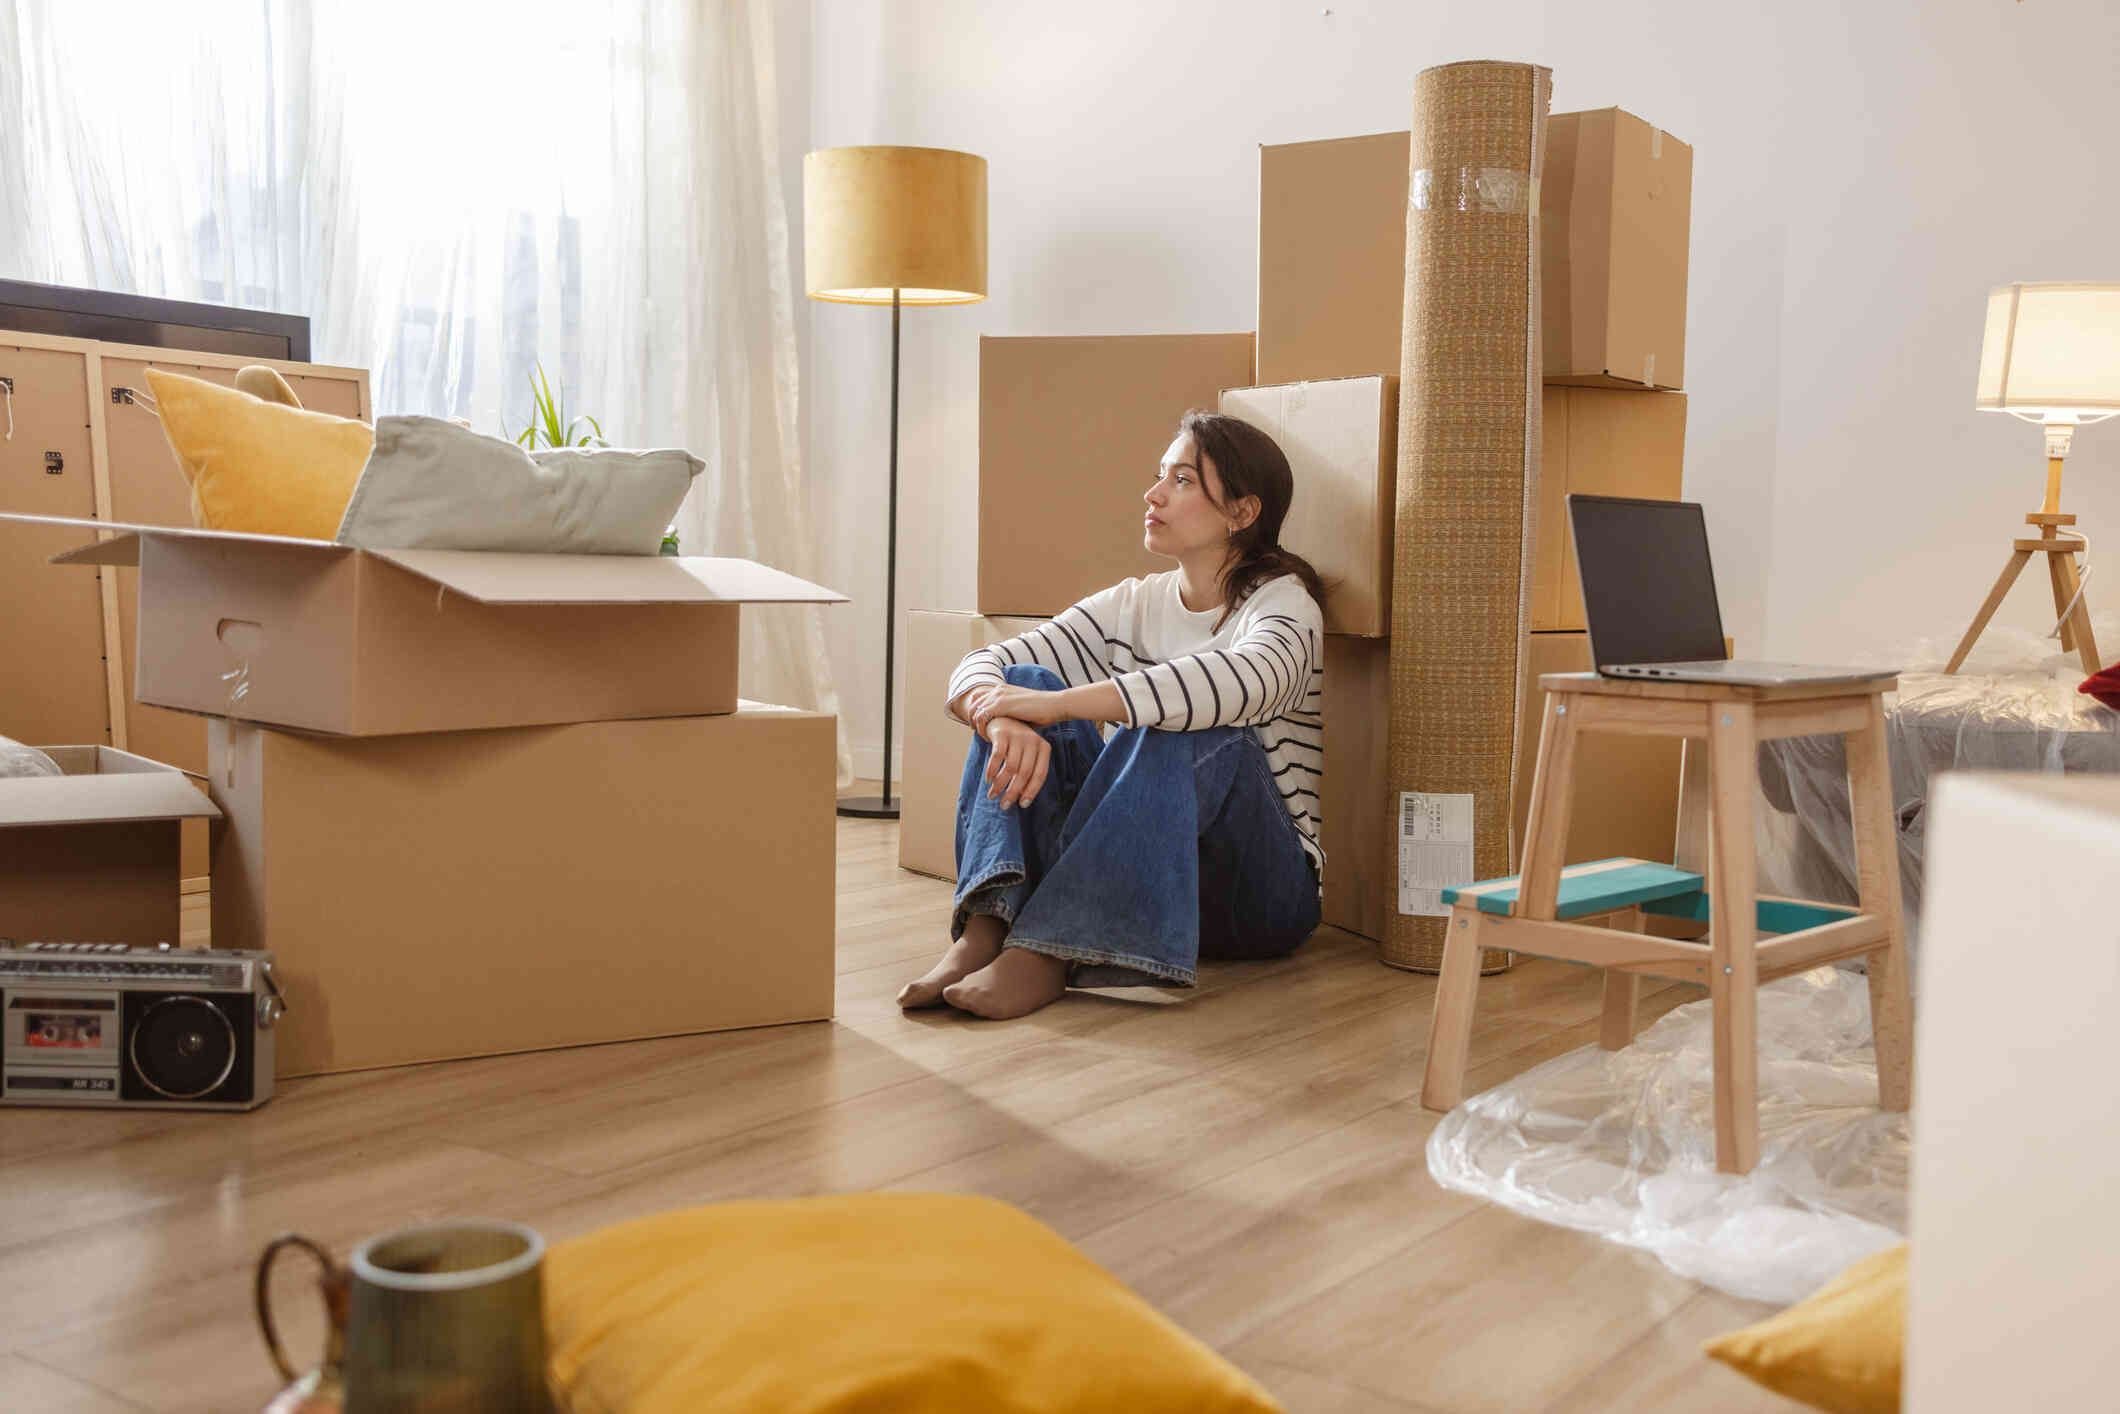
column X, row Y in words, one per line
column 2051, row 355
column 895, row 226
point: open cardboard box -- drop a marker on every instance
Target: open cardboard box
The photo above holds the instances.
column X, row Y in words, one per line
column 92, row 855
column 328, row 638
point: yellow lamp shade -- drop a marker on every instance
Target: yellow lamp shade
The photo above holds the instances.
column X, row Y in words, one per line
column 2051, row 349
column 879, row 219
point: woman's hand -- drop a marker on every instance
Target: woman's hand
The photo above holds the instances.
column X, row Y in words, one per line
column 1015, row 768
column 1025, row 704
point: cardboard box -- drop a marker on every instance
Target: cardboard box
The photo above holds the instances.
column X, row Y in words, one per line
column 92, row 856
column 1626, row 787
column 1597, row 441
column 933, row 763
column 472, row 893
column 308, row 634
column 1615, row 211
column 1070, row 434
column 1332, row 257
column 1342, row 440
column 1361, row 870
column 52, row 681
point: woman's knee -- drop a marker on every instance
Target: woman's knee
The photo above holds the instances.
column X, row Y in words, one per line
column 1033, row 675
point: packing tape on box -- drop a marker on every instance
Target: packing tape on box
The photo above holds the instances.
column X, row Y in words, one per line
column 1496, row 191
column 1467, row 484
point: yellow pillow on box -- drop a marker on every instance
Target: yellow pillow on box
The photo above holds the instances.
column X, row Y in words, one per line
column 257, row 466
column 882, row 1303
column 1840, row 1349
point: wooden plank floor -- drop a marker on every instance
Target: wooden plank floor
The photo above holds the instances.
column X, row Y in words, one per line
column 1248, row 1156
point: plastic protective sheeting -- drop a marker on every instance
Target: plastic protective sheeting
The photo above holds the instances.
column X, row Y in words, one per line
column 2014, row 708
column 1622, row 1144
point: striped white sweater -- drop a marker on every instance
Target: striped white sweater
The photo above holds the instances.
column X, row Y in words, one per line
column 1264, row 669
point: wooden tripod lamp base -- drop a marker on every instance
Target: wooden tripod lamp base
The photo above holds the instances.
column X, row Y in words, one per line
column 2069, row 604
column 2050, row 355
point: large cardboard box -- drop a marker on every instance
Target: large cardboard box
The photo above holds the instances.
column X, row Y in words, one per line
column 1626, row 787
column 1615, row 212
column 1070, row 434
column 309, row 634
column 1615, row 206
column 1332, row 257
column 471, row 893
column 1342, row 440
column 1361, row 872
column 1604, row 442
column 91, row 856
column 935, row 743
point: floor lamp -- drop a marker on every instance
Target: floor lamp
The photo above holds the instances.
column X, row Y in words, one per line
column 895, row 226
column 2051, row 355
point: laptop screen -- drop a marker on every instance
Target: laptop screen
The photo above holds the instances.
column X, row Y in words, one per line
column 1648, row 589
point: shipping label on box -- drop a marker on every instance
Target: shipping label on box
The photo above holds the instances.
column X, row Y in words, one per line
column 1435, row 850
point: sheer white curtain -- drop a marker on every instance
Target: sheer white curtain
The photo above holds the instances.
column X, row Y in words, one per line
column 454, row 193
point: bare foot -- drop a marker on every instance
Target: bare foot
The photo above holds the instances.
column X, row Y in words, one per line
column 1014, row 984
column 979, row 946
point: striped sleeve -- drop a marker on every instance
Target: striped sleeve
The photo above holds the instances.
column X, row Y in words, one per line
column 1073, row 645
column 1266, row 674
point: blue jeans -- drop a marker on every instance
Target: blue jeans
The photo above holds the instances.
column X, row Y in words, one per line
column 1141, row 854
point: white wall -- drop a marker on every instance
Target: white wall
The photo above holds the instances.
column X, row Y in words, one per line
column 1859, row 182
column 1963, row 148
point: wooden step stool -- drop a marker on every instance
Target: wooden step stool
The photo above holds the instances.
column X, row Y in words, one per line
column 1547, row 910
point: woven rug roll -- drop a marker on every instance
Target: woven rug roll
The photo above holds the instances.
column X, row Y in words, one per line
column 1467, row 486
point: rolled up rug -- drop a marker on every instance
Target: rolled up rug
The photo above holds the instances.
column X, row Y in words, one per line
column 1467, row 484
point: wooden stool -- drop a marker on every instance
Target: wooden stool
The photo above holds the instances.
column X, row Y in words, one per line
column 1535, row 913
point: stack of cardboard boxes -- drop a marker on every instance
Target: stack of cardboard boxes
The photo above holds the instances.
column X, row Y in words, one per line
column 1070, row 430
column 481, row 802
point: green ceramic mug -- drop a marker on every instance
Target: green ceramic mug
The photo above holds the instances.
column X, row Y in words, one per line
column 447, row 1316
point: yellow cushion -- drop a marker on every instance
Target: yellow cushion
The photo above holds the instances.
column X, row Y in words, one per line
column 265, row 383
column 885, row 1303
column 260, row 466
column 1838, row 1350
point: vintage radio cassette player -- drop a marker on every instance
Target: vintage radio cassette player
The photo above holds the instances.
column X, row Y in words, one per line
column 110, row 1025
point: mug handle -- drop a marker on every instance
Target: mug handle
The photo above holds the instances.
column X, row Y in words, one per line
column 336, row 1285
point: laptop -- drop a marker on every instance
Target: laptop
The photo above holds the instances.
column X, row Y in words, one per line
column 1649, row 598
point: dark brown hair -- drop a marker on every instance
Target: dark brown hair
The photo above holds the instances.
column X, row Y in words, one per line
column 1250, row 463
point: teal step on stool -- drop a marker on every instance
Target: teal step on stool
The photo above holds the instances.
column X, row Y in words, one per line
column 1549, row 910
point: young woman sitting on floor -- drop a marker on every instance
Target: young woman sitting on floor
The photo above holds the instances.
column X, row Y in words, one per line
column 1193, row 831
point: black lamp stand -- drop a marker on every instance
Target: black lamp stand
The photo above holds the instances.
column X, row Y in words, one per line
column 883, row 807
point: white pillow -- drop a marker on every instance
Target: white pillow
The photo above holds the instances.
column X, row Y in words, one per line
column 432, row 485
column 18, row 760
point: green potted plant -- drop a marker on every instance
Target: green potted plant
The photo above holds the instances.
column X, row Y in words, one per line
column 549, row 424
